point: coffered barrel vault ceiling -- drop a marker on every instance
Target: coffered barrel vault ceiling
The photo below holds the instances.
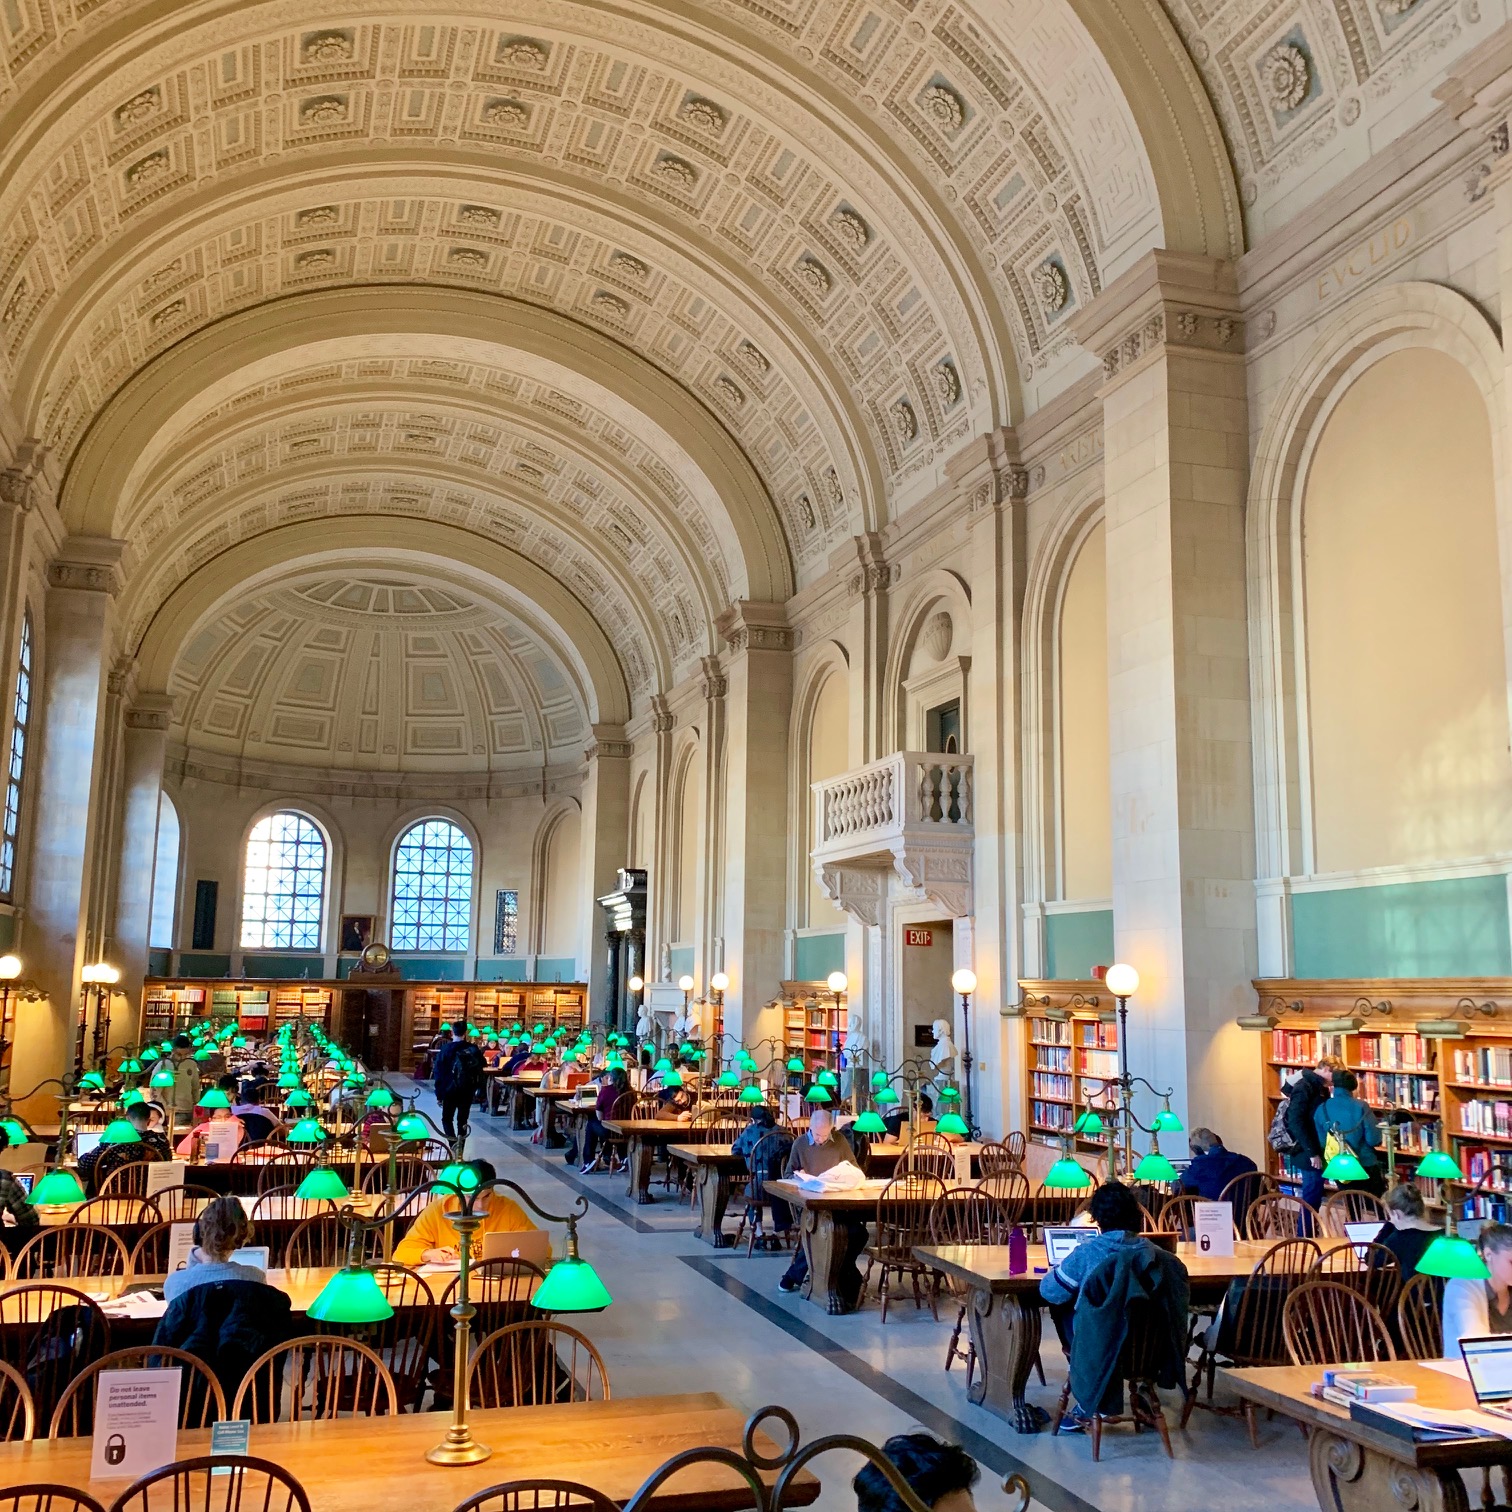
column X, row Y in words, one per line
column 664, row 301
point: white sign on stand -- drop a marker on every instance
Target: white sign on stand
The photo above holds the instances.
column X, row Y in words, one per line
column 162, row 1174
column 962, row 1163
column 135, row 1422
column 180, row 1243
column 1213, row 1227
column 222, row 1139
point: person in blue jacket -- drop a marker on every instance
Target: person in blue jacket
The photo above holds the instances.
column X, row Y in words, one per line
column 1213, row 1166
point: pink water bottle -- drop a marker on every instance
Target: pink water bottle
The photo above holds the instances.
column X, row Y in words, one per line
column 1018, row 1252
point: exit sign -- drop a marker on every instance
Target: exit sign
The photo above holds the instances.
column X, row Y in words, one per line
column 918, row 937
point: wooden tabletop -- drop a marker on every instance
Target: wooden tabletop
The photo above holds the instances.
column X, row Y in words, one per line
column 379, row 1465
column 861, row 1199
column 280, row 1209
column 554, row 1094
column 519, row 1079
column 647, row 1128
column 1287, row 1390
column 707, row 1154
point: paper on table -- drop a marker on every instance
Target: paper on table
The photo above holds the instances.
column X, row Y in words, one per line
column 840, row 1178
column 135, row 1305
column 1455, row 1368
column 162, row 1174
column 1470, row 1420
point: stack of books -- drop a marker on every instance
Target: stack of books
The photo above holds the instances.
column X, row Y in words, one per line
column 1345, row 1385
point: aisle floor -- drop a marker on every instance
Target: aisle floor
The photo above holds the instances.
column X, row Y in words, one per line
column 689, row 1318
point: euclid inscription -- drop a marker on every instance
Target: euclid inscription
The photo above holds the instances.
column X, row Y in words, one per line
column 1362, row 259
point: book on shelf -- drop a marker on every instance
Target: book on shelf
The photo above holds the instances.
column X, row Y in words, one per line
column 1483, row 1116
column 1050, row 1031
column 1396, row 1052
column 1487, row 1065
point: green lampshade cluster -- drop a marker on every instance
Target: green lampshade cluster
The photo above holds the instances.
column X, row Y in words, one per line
column 56, row 1189
column 1067, row 1175
column 952, row 1123
column 131, row 1066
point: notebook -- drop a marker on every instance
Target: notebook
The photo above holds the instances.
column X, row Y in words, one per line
column 533, row 1245
column 1059, row 1242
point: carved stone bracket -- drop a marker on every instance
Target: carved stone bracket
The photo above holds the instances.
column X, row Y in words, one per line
column 859, row 890
column 942, row 876
column 662, row 718
column 747, row 626
column 151, row 711
column 608, row 743
column 714, row 683
column 89, row 564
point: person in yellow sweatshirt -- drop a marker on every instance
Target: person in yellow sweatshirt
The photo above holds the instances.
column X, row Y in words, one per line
column 433, row 1241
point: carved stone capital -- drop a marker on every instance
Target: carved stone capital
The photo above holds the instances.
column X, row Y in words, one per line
column 151, row 711
column 750, row 626
column 609, row 744
column 19, row 483
column 714, row 684
column 87, row 564
column 663, row 720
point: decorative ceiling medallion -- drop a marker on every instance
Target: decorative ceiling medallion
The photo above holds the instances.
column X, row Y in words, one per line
column 1051, row 286
column 610, row 304
column 944, row 107
column 628, row 266
column 806, row 512
column 815, row 275
column 327, row 47
column 730, row 390
column 506, row 113
column 702, row 113
column 14, row 303
column 148, row 170
column 160, row 276
column 478, row 215
column 851, row 229
column 522, row 53
column 139, row 107
column 467, row 257
column 833, row 488
column 753, row 357
column 1287, row 75
column 675, row 170
column 320, row 257
column 947, row 383
column 319, row 215
column 325, row 110
column 905, row 422
column 169, row 312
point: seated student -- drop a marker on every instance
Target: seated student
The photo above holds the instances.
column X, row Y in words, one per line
column 763, row 1126
column 680, row 1102
column 941, row 1475
column 1408, row 1231
column 611, row 1089
column 189, row 1147
column 923, row 1121
column 1090, row 1293
column 1212, row 1166
column 433, row 1240
column 219, row 1231
column 105, row 1158
column 18, row 1218
column 821, row 1149
column 1473, row 1307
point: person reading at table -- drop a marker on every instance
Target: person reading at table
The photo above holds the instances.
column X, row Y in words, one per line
column 104, row 1158
column 18, row 1218
column 1474, row 1307
column 822, row 1149
column 611, row 1089
column 219, row 1231
column 433, row 1240
column 1212, row 1166
column 941, row 1475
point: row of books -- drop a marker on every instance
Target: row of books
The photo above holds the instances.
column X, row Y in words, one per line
column 1490, row 1065
column 1481, row 1116
column 1046, row 1084
column 1304, row 1047
column 1052, row 1058
column 1098, row 1036
column 1057, row 1116
column 1493, row 1168
column 1050, row 1031
column 1396, row 1052
column 1099, row 1063
column 1387, row 1089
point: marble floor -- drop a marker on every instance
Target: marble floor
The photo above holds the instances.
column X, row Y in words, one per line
column 689, row 1318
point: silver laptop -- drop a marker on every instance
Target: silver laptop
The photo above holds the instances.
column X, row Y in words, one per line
column 86, row 1141
column 1488, row 1363
column 1361, row 1234
column 1059, row 1242
column 533, row 1245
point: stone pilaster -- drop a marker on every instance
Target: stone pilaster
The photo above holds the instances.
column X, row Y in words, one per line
column 868, row 576
column 1171, row 343
column 661, row 869
column 606, row 823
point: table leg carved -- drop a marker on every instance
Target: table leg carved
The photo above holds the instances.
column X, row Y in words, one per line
column 823, row 1241
column 550, row 1136
column 1351, row 1478
column 519, row 1110
column 1005, row 1331
column 713, row 1187
column 639, row 1156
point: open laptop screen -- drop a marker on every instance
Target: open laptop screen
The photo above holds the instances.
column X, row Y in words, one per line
column 1059, row 1242
column 1362, row 1233
column 1488, row 1361
column 85, row 1141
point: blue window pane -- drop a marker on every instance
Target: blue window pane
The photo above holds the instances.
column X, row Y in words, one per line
column 283, row 887
column 432, row 901
column 10, row 825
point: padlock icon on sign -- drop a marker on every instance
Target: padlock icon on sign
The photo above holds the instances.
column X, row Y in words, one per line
column 1205, row 1243
column 115, row 1449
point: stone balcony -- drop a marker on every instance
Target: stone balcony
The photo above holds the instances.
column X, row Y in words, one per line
column 909, row 815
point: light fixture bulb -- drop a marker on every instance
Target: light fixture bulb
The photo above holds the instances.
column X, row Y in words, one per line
column 837, row 981
column 10, row 967
column 963, row 979
column 1122, row 980
column 635, row 984
column 719, row 981
column 685, row 983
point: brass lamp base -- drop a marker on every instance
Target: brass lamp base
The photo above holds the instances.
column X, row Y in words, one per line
column 461, row 1450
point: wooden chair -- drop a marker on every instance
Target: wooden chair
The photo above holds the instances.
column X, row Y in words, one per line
column 434, row 1153
column 327, row 1375
column 965, row 1215
column 1370, row 1269
column 1250, row 1321
column 128, row 1178
column 406, row 1341
column 108, row 1212
column 50, row 1333
column 500, row 1290
column 245, row 1484
column 1279, row 1215
column 761, row 1162
column 532, row 1364
column 1178, row 1217
column 1054, row 1206
column 289, row 1167
column 201, row 1400
column 1328, row 1323
column 411, row 1170
column 183, row 1204
column 317, row 1243
column 72, row 1249
column 38, row 1497
column 1010, row 1196
column 1420, row 1318
column 1243, row 1190
column 903, row 1211
column 1137, row 1363
column 996, row 1158
column 18, row 1413
column 280, row 1203
column 537, row 1496
column 1349, row 1206
column 927, row 1155
column 149, row 1255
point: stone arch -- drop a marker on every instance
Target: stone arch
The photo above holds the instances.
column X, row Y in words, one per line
column 929, row 593
column 828, row 661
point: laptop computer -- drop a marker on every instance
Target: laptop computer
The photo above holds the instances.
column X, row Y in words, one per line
column 1059, row 1242
column 1488, row 1363
column 86, row 1140
column 533, row 1245
column 1361, row 1234
column 25, row 1180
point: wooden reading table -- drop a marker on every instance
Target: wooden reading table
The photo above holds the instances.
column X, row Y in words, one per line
column 517, row 1090
column 548, row 1100
column 643, row 1138
column 379, row 1465
column 714, row 1167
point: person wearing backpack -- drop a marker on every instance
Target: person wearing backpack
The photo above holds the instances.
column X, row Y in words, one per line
column 1304, row 1097
column 1344, row 1121
column 458, row 1075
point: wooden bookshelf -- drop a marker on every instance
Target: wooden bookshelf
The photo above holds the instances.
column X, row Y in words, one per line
column 1446, row 1087
column 490, row 1005
column 1071, row 1054
column 813, row 1024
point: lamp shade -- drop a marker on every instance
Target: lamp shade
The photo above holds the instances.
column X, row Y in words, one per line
column 10, row 968
column 963, row 980
column 827, row 1079
column 14, row 1131
column 685, row 984
column 131, row 1066
column 133, row 1097
column 380, row 1097
column 796, row 1066
column 672, row 1079
column 299, row 1099
column 350, row 1296
column 950, row 1094
column 730, row 1078
column 120, row 1131
column 1155, row 1167
column 1122, row 980
column 870, row 1122
column 1089, row 1123
column 150, row 1056
column 94, row 1081
column 454, row 1178
column 306, row 1131
column 1448, row 1256
column 886, row 1098
column 55, row 1189
column 952, row 1123
column 751, row 1094
column 879, row 1078
column 635, row 984
column 214, row 1098
column 1438, row 1165
column 288, row 1082
column 1066, row 1176
column 204, row 1052
column 1166, row 1122
column 817, row 1096
column 571, row 1286
column 836, row 981
column 719, row 981
column 411, row 1126
column 1344, row 1167
column 662, row 1066
column 322, row 1184
column 163, row 1076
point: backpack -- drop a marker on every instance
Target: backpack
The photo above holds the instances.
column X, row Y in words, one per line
column 1279, row 1137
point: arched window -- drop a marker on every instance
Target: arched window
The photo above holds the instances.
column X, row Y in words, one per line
column 433, row 882
column 16, row 767
column 283, row 895
column 165, row 877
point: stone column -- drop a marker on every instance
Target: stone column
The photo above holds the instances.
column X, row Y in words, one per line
column 867, row 583
column 987, row 472
column 660, row 868
column 606, row 829
column 65, row 841
column 1175, row 464
column 707, row 948
column 145, row 749
column 758, row 705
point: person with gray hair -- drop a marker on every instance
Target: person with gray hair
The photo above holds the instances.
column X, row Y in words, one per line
column 1212, row 1166
column 822, row 1149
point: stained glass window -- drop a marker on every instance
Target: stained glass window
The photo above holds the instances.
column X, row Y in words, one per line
column 284, row 891
column 433, row 881
column 15, row 769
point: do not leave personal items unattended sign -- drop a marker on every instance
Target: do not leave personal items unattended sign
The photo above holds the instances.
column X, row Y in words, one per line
column 135, row 1422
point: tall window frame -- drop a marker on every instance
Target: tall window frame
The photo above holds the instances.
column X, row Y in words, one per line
column 431, row 889
column 15, row 766
column 285, row 866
